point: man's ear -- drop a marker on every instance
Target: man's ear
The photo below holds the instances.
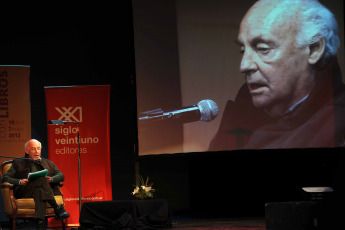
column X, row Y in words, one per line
column 316, row 51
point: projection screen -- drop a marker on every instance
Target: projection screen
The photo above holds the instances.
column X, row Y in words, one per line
column 189, row 61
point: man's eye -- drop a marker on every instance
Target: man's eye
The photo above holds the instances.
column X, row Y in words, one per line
column 242, row 50
column 263, row 49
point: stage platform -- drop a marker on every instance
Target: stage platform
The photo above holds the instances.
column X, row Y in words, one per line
column 190, row 223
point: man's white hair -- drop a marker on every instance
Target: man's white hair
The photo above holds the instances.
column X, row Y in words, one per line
column 315, row 22
column 26, row 144
column 318, row 22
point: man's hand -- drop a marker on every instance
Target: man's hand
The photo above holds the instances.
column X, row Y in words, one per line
column 24, row 181
column 49, row 179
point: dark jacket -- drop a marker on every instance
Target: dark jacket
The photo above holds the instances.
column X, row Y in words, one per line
column 21, row 167
column 317, row 122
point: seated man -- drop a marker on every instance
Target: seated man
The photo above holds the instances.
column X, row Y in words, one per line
column 42, row 189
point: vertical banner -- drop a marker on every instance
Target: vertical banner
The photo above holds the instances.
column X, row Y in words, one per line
column 15, row 114
column 15, row 111
column 88, row 106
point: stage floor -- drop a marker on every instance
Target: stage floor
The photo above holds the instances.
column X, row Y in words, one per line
column 219, row 224
column 189, row 223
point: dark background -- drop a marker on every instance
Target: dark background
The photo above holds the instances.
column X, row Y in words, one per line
column 94, row 47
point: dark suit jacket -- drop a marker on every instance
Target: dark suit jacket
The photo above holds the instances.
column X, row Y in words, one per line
column 21, row 167
column 317, row 122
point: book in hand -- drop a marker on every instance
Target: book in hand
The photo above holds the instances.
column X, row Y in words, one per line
column 32, row 176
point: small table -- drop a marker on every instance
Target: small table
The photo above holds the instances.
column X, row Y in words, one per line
column 118, row 214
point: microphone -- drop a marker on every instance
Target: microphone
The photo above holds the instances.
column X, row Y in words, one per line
column 206, row 110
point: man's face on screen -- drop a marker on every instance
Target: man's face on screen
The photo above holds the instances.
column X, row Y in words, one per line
column 276, row 71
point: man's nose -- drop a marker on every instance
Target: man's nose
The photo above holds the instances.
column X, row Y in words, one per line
column 247, row 62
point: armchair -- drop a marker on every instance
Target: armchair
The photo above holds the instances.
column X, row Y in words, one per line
column 21, row 208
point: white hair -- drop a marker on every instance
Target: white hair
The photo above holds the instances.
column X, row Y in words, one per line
column 315, row 22
column 318, row 22
column 26, row 144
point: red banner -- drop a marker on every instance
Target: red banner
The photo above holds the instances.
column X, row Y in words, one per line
column 88, row 107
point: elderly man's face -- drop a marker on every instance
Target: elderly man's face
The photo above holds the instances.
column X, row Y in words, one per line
column 33, row 148
column 276, row 70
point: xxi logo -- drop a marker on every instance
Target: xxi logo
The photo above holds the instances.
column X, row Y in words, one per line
column 70, row 114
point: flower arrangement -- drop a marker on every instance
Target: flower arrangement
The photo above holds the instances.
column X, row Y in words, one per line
column 144, row 190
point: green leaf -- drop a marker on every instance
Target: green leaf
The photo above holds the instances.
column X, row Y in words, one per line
column 141, row 180
column 147, row 180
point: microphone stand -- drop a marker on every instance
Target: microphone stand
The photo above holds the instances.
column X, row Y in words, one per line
column 79, row 168
column 79, row 164
column 1, row 156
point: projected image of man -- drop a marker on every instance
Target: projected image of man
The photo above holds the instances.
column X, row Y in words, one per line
column 294, row 96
